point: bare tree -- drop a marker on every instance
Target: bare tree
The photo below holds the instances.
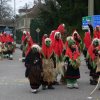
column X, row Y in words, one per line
column 5, row 10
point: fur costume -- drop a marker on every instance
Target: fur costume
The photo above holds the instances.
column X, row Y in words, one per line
column 33, row 63
column 48, row 62
column 98, row 64
column 48, row 70
column 58, row 47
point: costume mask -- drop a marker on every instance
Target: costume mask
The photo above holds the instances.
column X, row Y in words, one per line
column 57, row 36
column 95, row 43
column 48, row 43
column 34, row 50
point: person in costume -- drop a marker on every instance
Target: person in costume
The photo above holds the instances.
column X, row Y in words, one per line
column 4, row 37
column 87, row 42
column 33, row 64
column 77, row 38
column 10, row 50
column 67, row 39
column 72, row 59
column 90, row 28
column 10, row 46
column 1, row 51
column 28, row 42
column 97, row 32
column 43, row 39
column 1, row 44
column 48, row 64
column 61, row 29
column 1, row 38
column 91, row 59
column 23, row 37
column 23, row 43
column 52, row 34
column 58, row 51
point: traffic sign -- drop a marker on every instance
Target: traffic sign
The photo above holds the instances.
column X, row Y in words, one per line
column 38, row 30
column 85, row 21
column 93, row 20
column 96, row 20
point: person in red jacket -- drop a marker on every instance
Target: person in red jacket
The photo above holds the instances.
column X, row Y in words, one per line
column 43, row 39
column 92, row 56
column 58, row 45
column 4, row 37
column 97, row 32
column 11, row 39
column 87, row 42
column 23, row 37
column 48, row 64
column 29, row 43
column 1, row 38
column 52, row 34
column 61, row 29
column 58, row 48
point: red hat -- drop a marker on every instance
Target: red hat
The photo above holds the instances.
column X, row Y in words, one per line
column 61, row 28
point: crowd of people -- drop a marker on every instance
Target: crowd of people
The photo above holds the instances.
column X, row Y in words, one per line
column 55, row 58
column 7, row 46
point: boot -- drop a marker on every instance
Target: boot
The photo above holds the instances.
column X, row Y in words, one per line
column 50, row 86
column 55, row 83
column 75, row 85
column 34, row 90
column 93, row 82
column 70, row 86
column 44, row 87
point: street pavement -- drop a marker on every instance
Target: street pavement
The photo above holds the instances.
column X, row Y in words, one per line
column 14, row 85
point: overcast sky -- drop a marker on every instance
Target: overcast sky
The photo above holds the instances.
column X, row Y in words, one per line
column 21, row 3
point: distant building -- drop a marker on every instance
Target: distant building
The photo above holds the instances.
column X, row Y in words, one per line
column 25, row 16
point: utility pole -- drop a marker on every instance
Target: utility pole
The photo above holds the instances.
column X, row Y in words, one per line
column 1, row 12
column 14, row 20
column 14, row 8
column 26, row 18
column 90, row 7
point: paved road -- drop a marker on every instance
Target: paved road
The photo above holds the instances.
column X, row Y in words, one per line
column 14, row 86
